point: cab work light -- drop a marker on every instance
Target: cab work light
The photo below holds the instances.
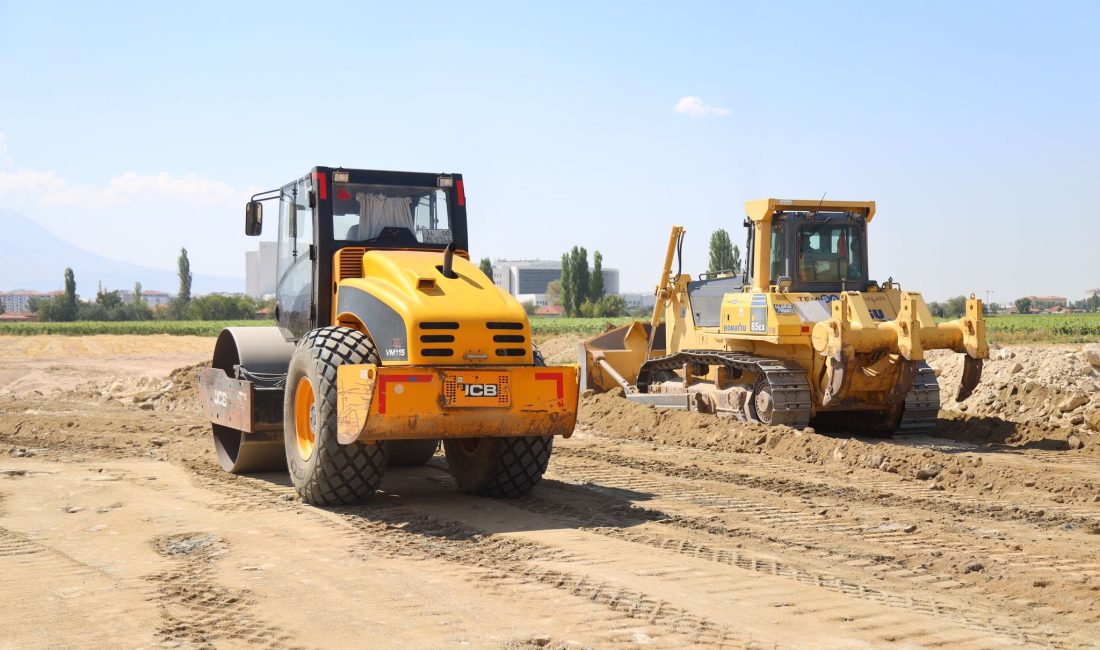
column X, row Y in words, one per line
column 339, row 177
column 445, row 181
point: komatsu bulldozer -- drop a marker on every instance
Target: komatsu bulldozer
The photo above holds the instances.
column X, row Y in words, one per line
column 803, row 336
column 387, row 341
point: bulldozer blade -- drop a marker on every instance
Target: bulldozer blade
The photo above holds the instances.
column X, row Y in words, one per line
column 836, row 378
column 972, row 374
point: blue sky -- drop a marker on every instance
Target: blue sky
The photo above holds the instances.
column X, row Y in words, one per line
column 135, row 128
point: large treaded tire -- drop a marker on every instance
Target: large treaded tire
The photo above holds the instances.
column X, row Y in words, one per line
column 332, row 474
column 409, row 453
column 498, row 467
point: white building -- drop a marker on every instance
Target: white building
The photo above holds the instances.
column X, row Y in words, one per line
column 155, row 298
column 527, row 279
column 151, row 297
column 18, row 302
column 259, row 270
column 637, row 300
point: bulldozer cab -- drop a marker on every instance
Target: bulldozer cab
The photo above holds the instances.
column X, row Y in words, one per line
column 808, row 247
column 331, row 209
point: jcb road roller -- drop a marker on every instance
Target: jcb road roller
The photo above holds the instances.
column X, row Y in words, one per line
column 387, row 341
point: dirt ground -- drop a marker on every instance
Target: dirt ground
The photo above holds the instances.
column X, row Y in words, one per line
column 651, row 529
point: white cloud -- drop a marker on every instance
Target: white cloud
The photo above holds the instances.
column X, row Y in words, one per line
column 49, row 189
column 131, row 187
column 696, row 107
column 29, row 182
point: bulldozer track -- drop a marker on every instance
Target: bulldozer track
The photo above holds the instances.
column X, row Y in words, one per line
column 922, row 403
column 790, row 391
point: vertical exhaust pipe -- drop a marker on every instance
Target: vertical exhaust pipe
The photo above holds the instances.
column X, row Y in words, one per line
column 448, row 262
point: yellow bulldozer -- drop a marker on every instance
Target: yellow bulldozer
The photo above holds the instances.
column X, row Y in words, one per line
column 803, row 336
column 386, row 341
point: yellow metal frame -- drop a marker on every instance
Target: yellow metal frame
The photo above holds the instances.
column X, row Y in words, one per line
column 409, row 283
column 392, row 403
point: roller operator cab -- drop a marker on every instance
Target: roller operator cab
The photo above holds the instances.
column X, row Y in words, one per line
column 803, row 335
column 388, row 341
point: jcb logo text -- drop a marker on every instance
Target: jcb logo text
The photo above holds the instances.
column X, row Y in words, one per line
column 479, row 390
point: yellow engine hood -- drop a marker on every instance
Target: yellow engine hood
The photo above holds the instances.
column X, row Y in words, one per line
column 415, row 315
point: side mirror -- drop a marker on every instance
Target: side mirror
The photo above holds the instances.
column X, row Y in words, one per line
column 253, row 218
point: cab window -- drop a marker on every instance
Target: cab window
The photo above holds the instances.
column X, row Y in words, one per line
column 829, row 252
column 383, row 213
column 778, row 252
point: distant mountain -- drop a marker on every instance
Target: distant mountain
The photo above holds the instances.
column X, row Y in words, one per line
column 33, row 258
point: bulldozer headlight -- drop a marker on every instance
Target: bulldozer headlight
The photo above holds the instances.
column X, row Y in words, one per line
column 339, row 177
column 445, row 181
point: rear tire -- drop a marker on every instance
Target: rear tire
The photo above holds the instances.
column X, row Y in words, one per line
column 409, row 453
column 498, row 467
column 324, row 472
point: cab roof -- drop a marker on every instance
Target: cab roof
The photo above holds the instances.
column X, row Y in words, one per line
column 763, row 209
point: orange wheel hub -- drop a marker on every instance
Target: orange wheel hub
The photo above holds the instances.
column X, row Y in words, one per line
column 305, row 418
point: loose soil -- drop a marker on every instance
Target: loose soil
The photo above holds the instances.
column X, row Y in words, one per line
column 651, row 528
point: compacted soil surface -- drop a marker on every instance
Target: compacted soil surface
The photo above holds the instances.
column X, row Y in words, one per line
column 651, row 528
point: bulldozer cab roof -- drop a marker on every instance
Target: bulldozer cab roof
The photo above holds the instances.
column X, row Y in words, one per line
column 763, row 209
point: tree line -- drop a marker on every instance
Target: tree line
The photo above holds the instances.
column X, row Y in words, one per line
column 109, row 305
column 581, row 291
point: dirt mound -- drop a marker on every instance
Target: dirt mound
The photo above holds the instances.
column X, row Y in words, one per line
column 178, row 392
column 611, row 414
column 1040, row 390
column 560, row 349
column 183, row 395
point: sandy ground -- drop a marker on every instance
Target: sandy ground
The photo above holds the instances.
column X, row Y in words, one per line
column 651, row 529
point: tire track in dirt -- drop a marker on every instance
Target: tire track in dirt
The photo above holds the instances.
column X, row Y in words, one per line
column 398, row 531
column 798, row 532
column 15, row 545
column 979, row 616
column 607, row 469
column 197, row 610
column 786, row 479
column 57, row 589
column 502, row 564
column 516, row 562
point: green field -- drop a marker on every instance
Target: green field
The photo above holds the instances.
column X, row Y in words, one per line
column 1068, row 328
column 84, row 328
column 550, row 326
column 541, row 327
column 1062, row 328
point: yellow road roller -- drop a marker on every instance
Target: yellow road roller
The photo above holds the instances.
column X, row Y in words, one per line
column 386, row 342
